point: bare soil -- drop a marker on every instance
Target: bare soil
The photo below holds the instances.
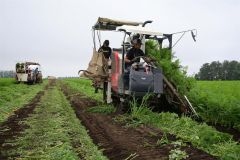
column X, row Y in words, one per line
column 119, row 142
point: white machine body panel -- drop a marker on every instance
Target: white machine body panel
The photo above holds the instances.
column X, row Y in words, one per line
column 22, row 77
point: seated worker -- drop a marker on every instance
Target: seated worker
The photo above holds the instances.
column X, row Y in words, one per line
column 107, row 51
column 135, row 51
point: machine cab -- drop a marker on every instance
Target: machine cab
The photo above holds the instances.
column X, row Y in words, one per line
column 142, row 77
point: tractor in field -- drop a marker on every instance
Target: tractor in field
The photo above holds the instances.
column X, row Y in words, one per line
column 120, row 84
column 28, row 72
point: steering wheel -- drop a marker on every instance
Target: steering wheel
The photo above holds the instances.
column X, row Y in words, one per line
column 148, row 61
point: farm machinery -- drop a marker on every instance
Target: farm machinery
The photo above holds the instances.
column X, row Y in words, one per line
column 28, row 72
column 120, row 84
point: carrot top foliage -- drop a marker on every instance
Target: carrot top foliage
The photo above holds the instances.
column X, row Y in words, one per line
column 218, row 102
column 172, row 69
column 6, row 81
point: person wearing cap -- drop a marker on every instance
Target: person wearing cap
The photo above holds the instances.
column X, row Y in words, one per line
column 135, row 51
column 107, row 51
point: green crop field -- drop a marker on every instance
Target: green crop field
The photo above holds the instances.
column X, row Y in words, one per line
column 57, row 131
column 84, row 86
column 13, row 96
column 54, row 128
column 201, row 135
column 218, row 102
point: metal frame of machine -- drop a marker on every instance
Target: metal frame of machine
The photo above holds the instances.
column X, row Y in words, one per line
column 114, row 89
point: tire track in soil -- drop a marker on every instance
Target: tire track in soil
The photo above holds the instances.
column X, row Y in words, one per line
column 119, row 142
column 11, row 128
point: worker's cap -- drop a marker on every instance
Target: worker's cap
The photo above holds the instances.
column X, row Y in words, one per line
column 137, row 41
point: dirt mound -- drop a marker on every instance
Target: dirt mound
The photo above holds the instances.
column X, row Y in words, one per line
column 119, row 142
column 11, row 128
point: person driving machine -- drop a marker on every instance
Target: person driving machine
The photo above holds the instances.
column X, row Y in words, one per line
column 130, row 58
column 134, row 52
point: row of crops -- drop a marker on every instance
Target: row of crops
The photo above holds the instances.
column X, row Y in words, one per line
column 218, row 102
column 53, row 126
column 14, row 96
column 201, row 135
column 215, row 101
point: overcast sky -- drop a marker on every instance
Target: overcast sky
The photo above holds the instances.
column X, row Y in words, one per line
column 57, row 33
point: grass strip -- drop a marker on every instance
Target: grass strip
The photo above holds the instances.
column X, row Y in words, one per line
column 55, row 133
column 84, row 86
column 106, row 109
column 13, row 96
column 201, row 136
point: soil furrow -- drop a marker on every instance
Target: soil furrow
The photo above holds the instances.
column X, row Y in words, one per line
column 119, row 142
column 12, row 128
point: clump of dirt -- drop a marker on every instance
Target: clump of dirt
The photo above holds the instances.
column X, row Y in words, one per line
column 11, row 128
column 119, row 142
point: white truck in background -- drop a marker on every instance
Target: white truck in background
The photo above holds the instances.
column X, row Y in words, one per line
column 29, row 72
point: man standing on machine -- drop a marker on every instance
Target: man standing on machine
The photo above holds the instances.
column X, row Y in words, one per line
column 107, row 51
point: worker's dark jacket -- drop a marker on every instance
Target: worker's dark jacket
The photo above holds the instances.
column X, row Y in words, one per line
column 132, row 53
column 107, row 51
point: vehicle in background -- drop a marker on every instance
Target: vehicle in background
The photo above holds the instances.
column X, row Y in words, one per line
column 29, row 72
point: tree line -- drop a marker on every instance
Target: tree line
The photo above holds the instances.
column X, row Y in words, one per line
column 227, row 70
column 7, row 74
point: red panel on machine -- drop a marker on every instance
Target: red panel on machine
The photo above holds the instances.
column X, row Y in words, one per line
column 115, row 72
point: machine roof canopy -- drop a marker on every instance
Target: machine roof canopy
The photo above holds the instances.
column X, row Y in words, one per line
column 139, row 29
column 112, row 24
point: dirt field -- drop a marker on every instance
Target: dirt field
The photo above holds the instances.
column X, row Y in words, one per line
column 120, row 142
column 112, row 137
